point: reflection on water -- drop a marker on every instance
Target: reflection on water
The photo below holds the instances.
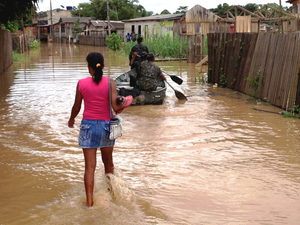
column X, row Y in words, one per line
column 210, row 160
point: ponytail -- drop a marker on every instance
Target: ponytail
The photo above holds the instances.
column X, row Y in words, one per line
column 96, row 61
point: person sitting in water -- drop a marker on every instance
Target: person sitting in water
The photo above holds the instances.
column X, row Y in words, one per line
column 149, row 75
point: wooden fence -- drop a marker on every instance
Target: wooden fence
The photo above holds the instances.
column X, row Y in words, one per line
column 20, row 43
column 263, row 65
column 92, row 40
column 6, row 53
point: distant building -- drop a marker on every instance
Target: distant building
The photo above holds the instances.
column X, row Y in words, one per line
column 43, row 20
column 64, row 28
column 100, row 28
column 165, row 24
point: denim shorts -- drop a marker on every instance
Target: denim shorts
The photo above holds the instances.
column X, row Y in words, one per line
column 94, row 134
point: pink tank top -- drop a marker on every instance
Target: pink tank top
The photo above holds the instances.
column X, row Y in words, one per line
column 96, row 98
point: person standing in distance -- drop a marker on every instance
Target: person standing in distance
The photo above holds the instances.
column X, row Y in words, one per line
column 95, row 124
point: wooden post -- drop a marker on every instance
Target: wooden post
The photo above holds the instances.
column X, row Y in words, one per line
column 180, row 47
column 281, row 16
column 108, row 20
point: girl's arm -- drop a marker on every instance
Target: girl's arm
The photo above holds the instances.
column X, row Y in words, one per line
column 76, row 107
column 114, row 96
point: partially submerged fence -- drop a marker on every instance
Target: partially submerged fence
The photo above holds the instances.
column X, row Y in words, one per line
column 20, row 43
column 92, row 40
column 263, row 65
column 6, row 53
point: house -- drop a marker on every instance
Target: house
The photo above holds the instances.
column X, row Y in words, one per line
column 63, row 30
column 200, row 21
column 43, row 21
column 264, row 27
column 100, row 28
column 97, row 28
column 165, row 24
column 116, row 27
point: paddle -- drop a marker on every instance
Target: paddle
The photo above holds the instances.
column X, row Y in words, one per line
column 174, row 78
column 178, row 94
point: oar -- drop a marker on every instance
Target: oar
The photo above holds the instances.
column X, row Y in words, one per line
column 178, row 94
column 174, row 78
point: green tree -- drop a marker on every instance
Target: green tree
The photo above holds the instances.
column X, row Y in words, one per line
column 76, row 29
column 252, row 7
column 165, row 12
column 118, row 9
column 181, row 9
column 221, row 9
column 11, row 10
column 83, row 10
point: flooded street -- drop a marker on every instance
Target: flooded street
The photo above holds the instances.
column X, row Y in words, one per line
column 210, row 160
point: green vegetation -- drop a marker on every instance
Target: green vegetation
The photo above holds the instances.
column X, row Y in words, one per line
column 34, row 45
column 118, row 10
column 10, row 26
column 255, row 82
column 293, row 112
column 223, row 81
column 181, row 9
column 76, row 29
column 252, row 7
column 17, row 11
column 17, row 56
column 166, row 46
column 114, row 42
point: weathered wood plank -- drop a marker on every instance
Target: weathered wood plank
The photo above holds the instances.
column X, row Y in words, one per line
column 269, row 64
column 254, row 70
column 249, row 57
column 295, row 64
column 272, row 95
column 286, row 72
column 262, row 63
column 244, row 52
column 210, row 56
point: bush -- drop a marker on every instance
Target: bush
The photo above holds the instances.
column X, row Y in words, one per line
column 166, row 46
column 114, row 42
column 34, row 45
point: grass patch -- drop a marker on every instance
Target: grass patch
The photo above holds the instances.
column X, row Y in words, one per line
column 17, row 56
column 166, row 46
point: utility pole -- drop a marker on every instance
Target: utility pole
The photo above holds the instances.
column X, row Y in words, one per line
column 108, row 20
column 51, row 34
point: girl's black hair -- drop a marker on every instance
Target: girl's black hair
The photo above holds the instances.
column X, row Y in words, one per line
column 96, row 61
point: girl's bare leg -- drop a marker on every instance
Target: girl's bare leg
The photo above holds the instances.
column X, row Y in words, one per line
column 90, row 166
column 107, row 159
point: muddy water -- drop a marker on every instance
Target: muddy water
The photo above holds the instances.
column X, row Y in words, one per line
column 210, row 160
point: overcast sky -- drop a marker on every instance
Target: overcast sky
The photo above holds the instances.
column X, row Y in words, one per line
column 157, row 6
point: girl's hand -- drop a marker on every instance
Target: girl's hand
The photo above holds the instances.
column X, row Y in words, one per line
column 71, row 123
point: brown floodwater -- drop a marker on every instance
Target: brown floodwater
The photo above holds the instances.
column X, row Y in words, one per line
column 213, row 159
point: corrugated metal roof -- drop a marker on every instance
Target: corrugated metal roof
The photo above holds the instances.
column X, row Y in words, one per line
column 157, row 17
column 117, row 25
column 74, row 19
column 98, row 23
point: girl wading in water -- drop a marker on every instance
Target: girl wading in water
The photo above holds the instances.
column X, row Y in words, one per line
column 94, row 127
